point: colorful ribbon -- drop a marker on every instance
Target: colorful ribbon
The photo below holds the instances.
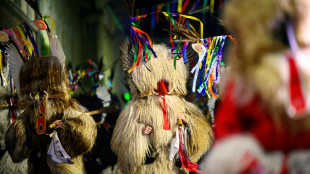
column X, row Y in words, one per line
column 185, row 160
column 24, row 39
column 208, row 65
column 143, row 42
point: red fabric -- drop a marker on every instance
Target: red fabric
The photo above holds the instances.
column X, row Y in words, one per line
column 252, row 118
column 162, row 90
column 186, row 163
column 41, row 125
column 298, row 101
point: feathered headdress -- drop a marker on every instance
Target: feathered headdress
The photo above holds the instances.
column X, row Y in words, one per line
column 15, row 60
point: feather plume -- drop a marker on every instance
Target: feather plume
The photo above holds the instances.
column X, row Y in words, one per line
column 130, row 5
column 185, row 33
column 127, row 51
column 15, row 63
column 191, row 55
column 56, row 49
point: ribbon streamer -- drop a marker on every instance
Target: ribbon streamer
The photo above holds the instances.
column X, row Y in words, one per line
column 143, row 42
column 185, row 161
column 210, row 64
column 197, row 66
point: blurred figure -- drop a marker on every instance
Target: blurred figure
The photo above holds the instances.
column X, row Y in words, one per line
column 263, row 122
column 101, row 159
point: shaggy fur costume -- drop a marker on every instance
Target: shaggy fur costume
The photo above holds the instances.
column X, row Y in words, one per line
column 79, row 133
column 257, row 91
column 131, row 146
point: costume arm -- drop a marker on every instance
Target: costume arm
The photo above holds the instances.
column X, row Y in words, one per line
column 79, row 133
column 128, row 142
column 201, row 132
column 16, row 139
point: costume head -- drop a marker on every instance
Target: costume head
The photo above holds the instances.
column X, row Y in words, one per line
column 144, row 81
column 43, row 74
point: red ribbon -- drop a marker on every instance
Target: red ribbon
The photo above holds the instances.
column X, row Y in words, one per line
column 298, row 101
column 162, row 90
column 185, row 5
column 186, row 163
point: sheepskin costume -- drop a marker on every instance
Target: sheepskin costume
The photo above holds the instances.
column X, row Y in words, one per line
column 254, row 124
column 132, row 147
column 46, row 78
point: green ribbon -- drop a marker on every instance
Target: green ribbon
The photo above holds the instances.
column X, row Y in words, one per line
column 135, row 53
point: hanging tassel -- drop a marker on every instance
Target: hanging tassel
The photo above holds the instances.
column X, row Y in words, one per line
column 41, row 124
column 185, row 161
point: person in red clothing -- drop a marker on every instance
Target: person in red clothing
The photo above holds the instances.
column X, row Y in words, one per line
column 262, row 124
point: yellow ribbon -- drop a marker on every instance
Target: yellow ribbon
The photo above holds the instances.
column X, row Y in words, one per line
column 23, row 37
column 160, row 6
column 52, row 21
column 212, row 6
column 209, row 52
column 179, row 6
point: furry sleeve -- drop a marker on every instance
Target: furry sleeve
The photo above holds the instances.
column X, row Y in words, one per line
column 201, row 132
column 79, row 134
column 128, row 142
column 16, row 139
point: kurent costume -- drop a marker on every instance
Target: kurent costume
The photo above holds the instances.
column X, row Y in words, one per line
column 53, row 131
column 262, row 124
column 158, row 102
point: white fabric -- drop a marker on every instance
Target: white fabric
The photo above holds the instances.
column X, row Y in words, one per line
column 57, row 152
column 174, row 148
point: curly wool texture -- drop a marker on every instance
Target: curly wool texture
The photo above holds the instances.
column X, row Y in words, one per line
column 78, row 135
column 161, row 68
column 131, row 145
